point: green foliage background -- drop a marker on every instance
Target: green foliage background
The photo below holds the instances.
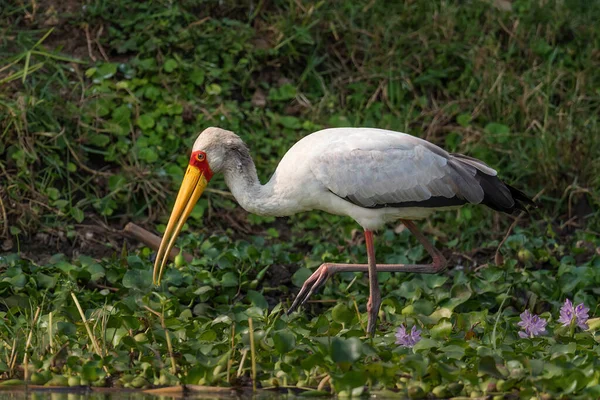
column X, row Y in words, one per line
column 100, row 102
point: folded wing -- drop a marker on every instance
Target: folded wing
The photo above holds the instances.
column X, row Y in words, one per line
column 414, row 173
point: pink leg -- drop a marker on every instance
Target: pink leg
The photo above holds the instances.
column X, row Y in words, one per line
column 374, row 293
column 320, row 276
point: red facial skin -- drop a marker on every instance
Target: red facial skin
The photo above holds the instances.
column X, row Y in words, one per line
column 198, row 160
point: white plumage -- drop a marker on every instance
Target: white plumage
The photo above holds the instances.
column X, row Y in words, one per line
column 371, row 175
column 364, row 173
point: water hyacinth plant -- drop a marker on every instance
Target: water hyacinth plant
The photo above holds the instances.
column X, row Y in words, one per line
column 407, row 339
column 574, row 315
column 532, row 325
column 88, row 146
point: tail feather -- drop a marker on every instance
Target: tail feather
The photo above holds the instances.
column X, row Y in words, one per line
column 521, row 199
column 496, row 194
column 502, row 197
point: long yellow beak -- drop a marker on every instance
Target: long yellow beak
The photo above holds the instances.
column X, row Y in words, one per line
column 190, row 191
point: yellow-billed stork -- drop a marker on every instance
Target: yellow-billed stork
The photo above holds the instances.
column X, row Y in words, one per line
column 372, row 175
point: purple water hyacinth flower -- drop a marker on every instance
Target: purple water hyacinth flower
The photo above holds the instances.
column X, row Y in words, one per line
column 532, row 325
column 407, row 339
column 581, row 313
column 568, row 313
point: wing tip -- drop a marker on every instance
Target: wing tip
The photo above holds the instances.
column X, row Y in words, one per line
column 502, row 197
column 522, row 201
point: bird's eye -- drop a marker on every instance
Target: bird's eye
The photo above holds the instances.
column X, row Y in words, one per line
column 200, row 156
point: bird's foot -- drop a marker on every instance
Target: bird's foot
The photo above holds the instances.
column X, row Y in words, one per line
column 373, row 306
column 439, row 263
column 312, row 284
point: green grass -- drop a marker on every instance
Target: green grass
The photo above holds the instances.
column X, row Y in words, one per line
column 96, row 132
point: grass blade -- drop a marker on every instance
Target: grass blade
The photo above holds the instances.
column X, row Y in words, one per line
column 87, row 328
column 28, row 344
column 252, row 353
column 26, row 67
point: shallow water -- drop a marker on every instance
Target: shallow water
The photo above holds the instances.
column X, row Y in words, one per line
column 38, row 395
column 53, row 394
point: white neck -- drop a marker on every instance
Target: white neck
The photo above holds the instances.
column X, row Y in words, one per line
column 266, row 200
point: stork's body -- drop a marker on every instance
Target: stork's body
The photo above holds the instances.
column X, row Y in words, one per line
column 374, row 176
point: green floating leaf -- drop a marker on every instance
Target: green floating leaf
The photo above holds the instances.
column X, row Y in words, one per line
column 536, row 366
column 96, row 271
column 77, row 214
column 148, row 154
column 500, row 130
column 66, row 328
column 197, row 77
column 349, row 384
column 272, row 232
column 437, row 315
column 138, row 279
column 459, row 294
column 314, row 393
column 99, row 139
column 100, row 107
column 121, row 115
column 284, row 341
column 45, row 281
column 300, row 276
column 426, row 344
column 60, row 204
column 145, row 121
column 433, row 280
column 562, row 349
column 541, row 47
column 463, row 119
column 229, row 279
column 339, row 121
column 487, row 365
column 208, row 336
column 346, row 350
column 285, row 92
column 342, row 314
column 106, row 70
column 130, row 322
column 257, row 299
column 90, row 371
column 290, row 122
column 152, row 92
column 12, row 382
column 453, row 139
column 423, row 307
column 117, row 182
column 355, row 392
column 53, row 193
column 213, row 89
column 441, row 330
column 170, row 65
column 455, row 351
column 90, row 72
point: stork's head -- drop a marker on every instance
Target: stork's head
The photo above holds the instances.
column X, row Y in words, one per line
column 209, row 155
